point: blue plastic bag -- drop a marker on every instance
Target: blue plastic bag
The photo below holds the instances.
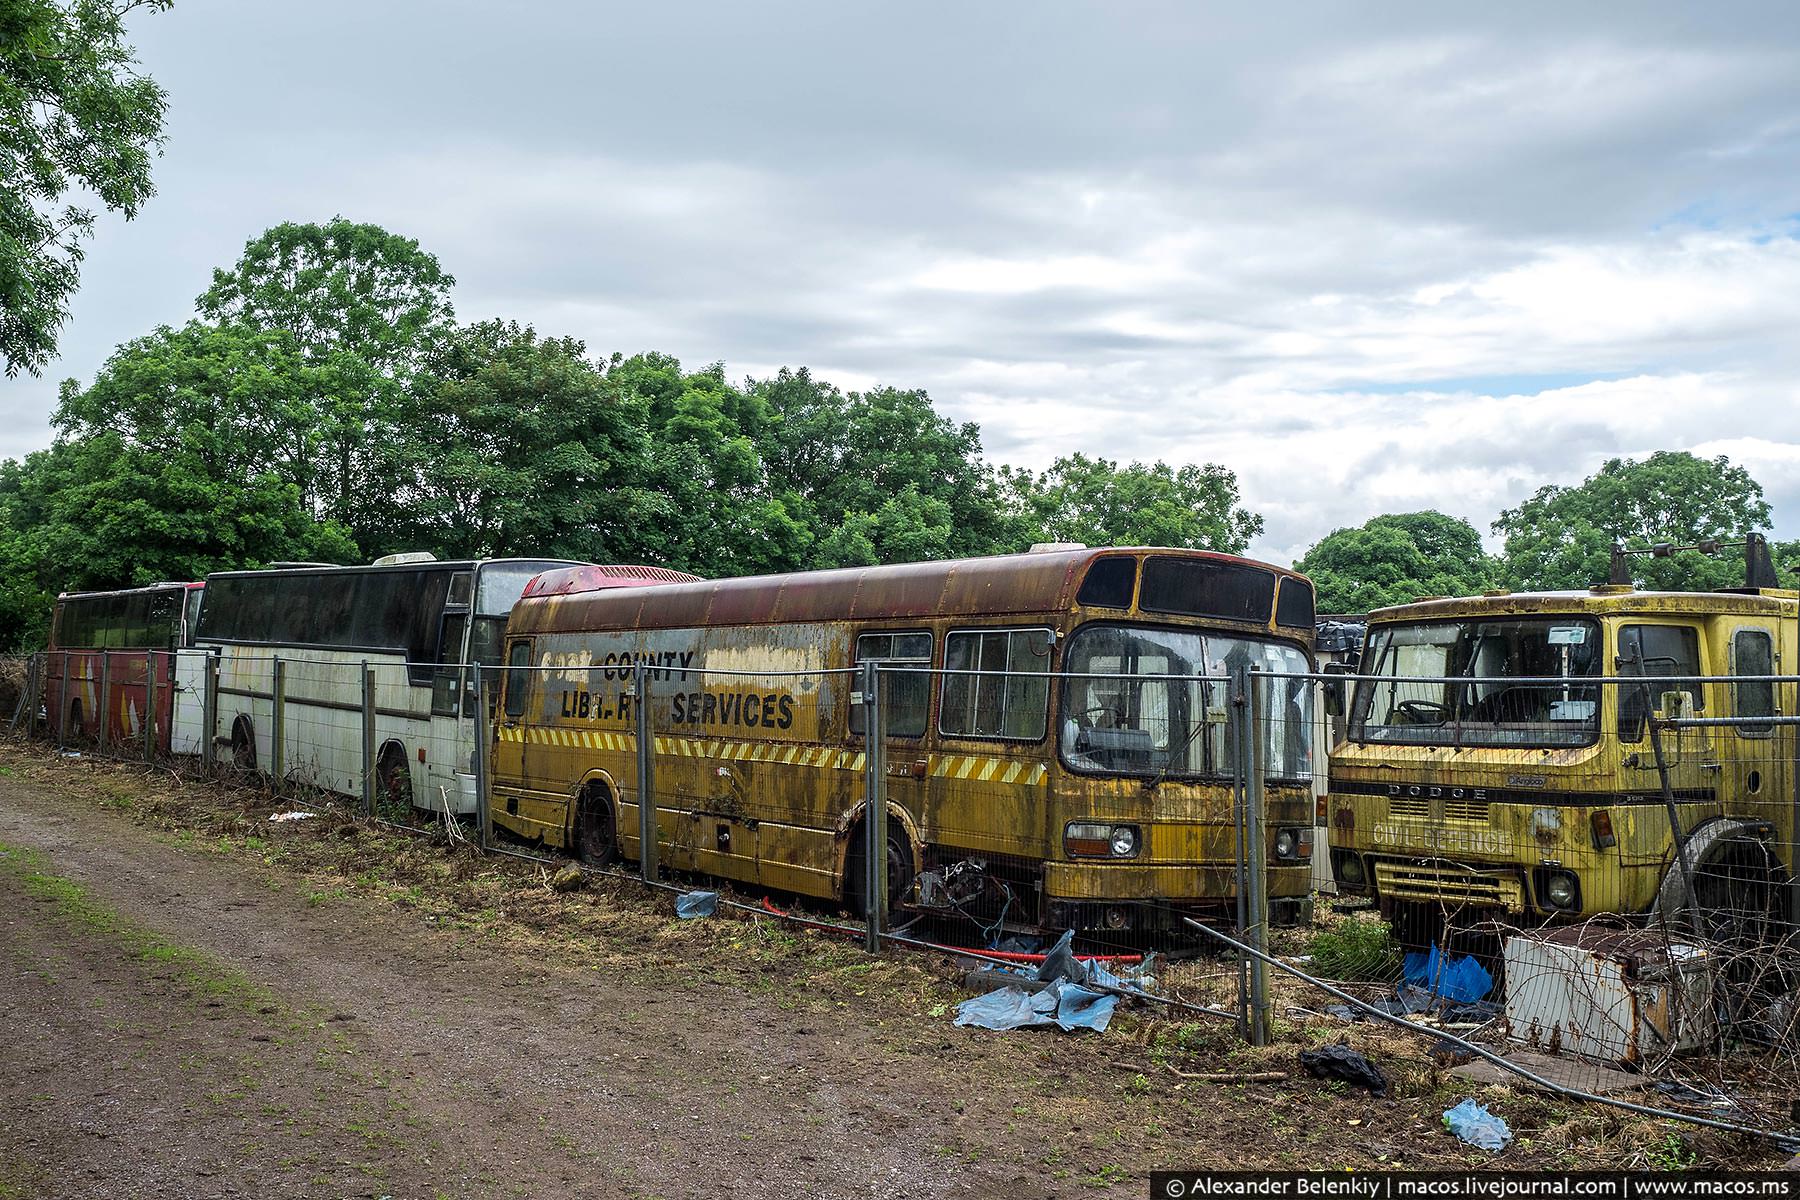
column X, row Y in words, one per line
column 1068, row 1006
column 1475, row 1125
column 696, row 904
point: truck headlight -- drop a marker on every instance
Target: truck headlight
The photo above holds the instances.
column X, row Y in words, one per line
column 1558, row 890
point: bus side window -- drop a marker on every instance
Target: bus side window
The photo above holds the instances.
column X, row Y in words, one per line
column 996, row 684
column 518, row 678
column 1753, row 653
column 907, row 694
column 1656, row 651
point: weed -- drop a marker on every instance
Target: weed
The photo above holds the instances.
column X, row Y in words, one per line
column 1356, row 949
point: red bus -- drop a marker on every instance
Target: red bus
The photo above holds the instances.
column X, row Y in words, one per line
column 104, row 648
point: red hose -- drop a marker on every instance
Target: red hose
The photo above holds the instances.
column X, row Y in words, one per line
column 1002, row 955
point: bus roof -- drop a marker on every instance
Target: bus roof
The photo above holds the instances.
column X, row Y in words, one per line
column 572, row 581
column 1599, row 601
column 158, row 586
column 1037, row 582
column 416, row 566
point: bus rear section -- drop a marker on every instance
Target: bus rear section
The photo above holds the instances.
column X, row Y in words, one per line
column 110, row 670
column 1055, row 742
column 374, row 668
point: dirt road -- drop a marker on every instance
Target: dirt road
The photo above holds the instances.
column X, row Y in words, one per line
column 247, row 1009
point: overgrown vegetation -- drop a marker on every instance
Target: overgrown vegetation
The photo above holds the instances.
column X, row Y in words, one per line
column 1356, row 949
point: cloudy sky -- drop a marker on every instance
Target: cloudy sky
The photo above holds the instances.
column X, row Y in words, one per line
column 1371, row 257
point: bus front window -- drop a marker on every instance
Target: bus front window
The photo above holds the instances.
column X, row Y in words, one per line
column 1141, row 701
column 1454, row 683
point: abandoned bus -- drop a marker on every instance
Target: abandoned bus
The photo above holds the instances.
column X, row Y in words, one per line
column 410, row 619
column 122, row 644
column 1502, row 763
column 1054, row 758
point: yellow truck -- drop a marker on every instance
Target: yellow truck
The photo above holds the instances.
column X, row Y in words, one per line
column 1542, row 757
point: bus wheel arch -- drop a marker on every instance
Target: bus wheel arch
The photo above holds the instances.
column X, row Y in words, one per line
column 1734, row 873
column 905, row 851
column 393, row 775
column 594, row 820
column 243, row 743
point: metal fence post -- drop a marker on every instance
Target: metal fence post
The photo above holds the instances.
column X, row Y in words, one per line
column 368, row 739
column 1256, row 857
column 104, row 734
column 209, row 710
column 278, row 723
column 148, row 725
column 646, row 772
column 875, row 830
column 1239, row 739
column 61, row 720
column 478, row 762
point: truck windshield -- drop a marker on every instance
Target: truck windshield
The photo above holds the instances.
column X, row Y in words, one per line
column 1450, row 683
column 1123, row 714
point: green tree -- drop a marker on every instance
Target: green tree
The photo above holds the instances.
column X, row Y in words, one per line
column 365, row 309
column 880, row 476
column 1562, row 537
column 241, row 401
column 524, row 446
column 100, row 512
column 1394, row 558
column 74, row 112
column 1100, row 503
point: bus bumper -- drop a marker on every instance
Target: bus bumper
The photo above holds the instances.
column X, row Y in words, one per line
column 1120, row 897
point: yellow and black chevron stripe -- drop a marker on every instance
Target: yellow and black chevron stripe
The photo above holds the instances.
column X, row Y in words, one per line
column 977, row 767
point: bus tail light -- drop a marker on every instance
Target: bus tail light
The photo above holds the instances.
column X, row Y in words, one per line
column 1601, row 821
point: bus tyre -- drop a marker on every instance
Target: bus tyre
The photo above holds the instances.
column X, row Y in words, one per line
column 596, row 832
column 899, row 868
column 393, row 778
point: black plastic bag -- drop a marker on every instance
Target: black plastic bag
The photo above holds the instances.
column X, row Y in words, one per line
column 1341, row 1062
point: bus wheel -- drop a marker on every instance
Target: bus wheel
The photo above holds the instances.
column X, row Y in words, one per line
column 899, row 868
column 596, row 833
column 243, row 746
column 393, row 778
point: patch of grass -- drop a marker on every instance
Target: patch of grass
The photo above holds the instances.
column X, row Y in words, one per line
column 1356, row 949
column 202, row 974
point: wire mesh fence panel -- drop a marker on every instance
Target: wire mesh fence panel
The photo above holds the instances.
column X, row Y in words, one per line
column 1589, row 874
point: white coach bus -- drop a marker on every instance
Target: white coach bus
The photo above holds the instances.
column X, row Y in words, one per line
column 414, row 620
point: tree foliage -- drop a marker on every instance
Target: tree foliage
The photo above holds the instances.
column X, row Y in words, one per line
column 1562, row 537
column 1099, row 503
column 1395, row 558
column 74, row 113
column 324, row 404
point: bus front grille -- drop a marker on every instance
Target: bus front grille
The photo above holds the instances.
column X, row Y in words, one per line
column 1447, row 884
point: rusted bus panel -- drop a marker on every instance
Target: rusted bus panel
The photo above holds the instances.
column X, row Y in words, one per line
column 1036, row 583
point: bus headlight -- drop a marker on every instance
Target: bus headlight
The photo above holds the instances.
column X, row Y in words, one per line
column 1088, row 839
column 1293, row 844
column 1347, row 869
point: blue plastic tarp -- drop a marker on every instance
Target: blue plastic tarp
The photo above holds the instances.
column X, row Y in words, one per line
column 1460, row 980
column 1068, row 1006
column 696, row 904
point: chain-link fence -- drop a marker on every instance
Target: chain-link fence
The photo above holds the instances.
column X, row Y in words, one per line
column 1583, row 882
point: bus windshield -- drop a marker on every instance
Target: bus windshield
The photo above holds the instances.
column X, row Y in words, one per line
column 1480, row 705
column 1122, row 714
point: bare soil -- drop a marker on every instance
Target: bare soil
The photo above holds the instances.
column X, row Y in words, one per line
column 200, row 1002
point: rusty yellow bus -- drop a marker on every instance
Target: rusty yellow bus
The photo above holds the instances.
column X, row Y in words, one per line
column 1056, row 755
column 1538, row 758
